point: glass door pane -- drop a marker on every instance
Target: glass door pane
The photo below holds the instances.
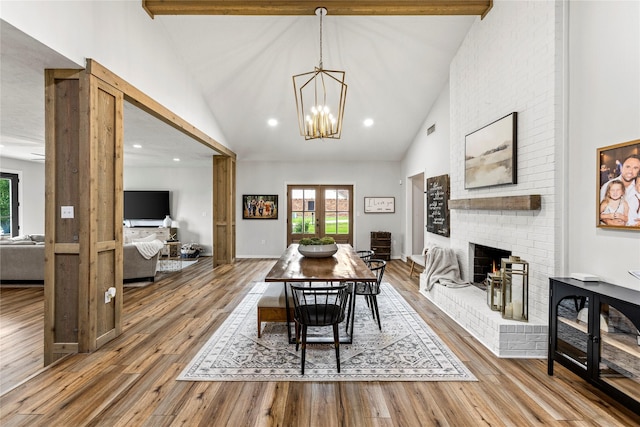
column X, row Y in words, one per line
column 337, row 213
column 302, row 213
column 619, row 351
column 572, row 329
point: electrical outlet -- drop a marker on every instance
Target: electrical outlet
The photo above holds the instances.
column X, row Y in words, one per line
column 66, row 211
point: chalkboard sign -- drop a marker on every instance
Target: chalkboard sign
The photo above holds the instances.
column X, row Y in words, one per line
column 438, row 205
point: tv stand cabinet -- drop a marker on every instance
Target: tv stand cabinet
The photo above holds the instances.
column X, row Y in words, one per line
column 594, row 332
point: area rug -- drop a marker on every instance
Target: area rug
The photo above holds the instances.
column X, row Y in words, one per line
column 145, row 283
column 406, row 349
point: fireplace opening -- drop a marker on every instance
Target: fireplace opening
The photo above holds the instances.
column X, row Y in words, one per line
column 486, row 260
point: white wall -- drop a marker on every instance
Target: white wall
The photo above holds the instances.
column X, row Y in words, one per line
column 123, row 38
column 428, row 154
column 30, row 193
column 191, row 198
column 370, row 179
column 604, row 109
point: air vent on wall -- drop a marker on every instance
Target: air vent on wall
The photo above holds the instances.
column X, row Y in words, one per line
column 431, row 129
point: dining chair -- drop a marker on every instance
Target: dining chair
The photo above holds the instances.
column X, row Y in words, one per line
column 370, row 291
column 365, row 255
column 318, row 306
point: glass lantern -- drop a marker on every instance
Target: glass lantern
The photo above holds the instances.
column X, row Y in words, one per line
column 515, row 288
column 494, row 291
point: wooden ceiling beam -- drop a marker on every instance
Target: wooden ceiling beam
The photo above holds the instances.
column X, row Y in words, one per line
column 308, row 7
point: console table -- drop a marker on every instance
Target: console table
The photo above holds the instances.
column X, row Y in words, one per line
column 594, row 332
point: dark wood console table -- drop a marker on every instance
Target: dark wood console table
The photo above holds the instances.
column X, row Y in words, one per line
column 594, row 332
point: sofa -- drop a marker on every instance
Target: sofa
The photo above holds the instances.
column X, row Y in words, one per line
column 22, row 260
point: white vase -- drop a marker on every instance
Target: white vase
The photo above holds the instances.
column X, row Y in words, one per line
column 166, row 222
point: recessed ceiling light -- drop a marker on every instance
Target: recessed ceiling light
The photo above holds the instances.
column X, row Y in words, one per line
column 175, row 159
column 368, row 122
column 272, row 122
column 137, row 146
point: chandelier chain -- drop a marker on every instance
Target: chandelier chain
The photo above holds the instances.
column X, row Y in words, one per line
column 321, row 40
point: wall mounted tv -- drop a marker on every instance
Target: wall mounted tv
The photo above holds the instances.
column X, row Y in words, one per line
column 146, row 205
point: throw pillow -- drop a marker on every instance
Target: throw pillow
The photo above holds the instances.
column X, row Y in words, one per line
column 149, row 238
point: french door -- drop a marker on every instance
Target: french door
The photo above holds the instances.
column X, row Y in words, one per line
column 319, row 211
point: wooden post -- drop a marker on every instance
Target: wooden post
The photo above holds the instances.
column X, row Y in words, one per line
column 83, row 248
column 224, row 210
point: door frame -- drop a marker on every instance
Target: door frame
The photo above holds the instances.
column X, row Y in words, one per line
column 320, row 213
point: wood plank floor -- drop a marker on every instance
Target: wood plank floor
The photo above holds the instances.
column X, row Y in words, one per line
column 131, row 380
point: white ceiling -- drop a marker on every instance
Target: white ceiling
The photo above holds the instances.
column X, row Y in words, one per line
column 395, row 67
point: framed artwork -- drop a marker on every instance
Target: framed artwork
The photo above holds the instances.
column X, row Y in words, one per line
column 438, row 205
column 490, row 154
column 618, row 186
column 379, row 204
column 259, row 206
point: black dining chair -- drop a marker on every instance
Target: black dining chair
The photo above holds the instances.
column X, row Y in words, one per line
column 318, row 306
column 365, row 255
column 370, row 291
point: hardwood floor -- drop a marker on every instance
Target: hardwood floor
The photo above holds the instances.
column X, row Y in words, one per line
column 131, row 380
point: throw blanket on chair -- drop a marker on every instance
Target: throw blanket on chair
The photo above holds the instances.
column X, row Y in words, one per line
column 149, row 249
column 442, row 267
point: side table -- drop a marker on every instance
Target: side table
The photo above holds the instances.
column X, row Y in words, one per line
column 170, row 259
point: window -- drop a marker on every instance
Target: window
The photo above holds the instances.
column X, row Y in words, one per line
column 9, row 204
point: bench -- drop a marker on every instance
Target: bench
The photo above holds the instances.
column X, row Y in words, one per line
column 272, row 306
column 420, row 259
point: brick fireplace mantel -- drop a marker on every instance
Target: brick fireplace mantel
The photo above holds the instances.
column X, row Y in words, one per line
column 523, row 203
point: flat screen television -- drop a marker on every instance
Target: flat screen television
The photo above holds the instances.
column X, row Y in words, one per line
column 146, row 205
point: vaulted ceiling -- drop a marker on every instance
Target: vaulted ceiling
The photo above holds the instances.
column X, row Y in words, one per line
column 396, row 56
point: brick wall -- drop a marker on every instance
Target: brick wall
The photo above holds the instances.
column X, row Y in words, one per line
column 510, row 62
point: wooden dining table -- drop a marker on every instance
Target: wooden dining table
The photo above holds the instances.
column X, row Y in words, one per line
column 344, row 266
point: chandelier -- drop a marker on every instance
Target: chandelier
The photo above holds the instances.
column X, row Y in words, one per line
column 320, row 96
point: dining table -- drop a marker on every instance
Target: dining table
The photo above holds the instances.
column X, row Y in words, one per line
column 342, row 267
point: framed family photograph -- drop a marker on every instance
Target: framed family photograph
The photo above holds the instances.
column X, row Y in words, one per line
column 618, row 188
column 259, row 206
column 490, row 154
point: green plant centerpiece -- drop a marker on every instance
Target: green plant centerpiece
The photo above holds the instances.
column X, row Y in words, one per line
column 317, row 247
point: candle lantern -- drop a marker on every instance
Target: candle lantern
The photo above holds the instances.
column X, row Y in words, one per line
column 494, row 291
column 515, row 288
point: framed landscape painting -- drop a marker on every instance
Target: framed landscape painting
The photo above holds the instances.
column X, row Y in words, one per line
column 618, row 186
column 259, row 206
column 490, row 154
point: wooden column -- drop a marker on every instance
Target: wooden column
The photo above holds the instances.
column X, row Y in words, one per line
column 62, row 183
column 224, row 210
column 101, row 207
column 83, row 250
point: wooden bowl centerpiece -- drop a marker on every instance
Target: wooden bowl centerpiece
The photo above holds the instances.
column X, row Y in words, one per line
column 317, row 247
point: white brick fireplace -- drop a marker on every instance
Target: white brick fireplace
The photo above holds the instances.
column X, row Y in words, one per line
column 501, row 68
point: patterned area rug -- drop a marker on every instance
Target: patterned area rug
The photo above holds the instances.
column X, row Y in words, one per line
column 407, row 349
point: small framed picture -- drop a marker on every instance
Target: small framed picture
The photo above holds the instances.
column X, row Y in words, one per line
column 260, row 206
column 618, row 186
column 379, row 204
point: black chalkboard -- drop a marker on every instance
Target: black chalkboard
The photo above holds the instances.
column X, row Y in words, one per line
column 438, row 205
